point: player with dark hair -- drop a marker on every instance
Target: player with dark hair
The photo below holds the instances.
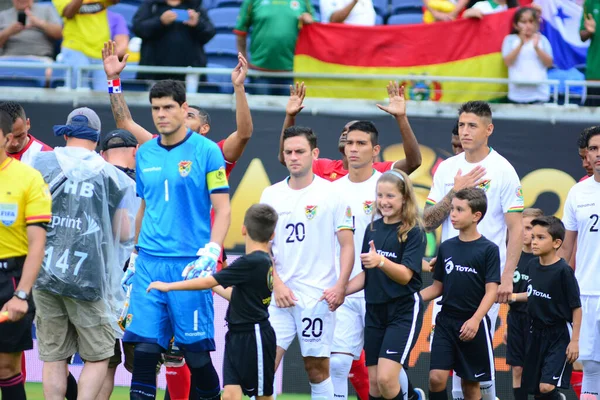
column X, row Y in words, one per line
column 467, row 274
column 554, row 306
column 335, row 169
column 581, row 217
column 480, row 166
column 26, row 211
column 517, row 320
column 22, row 146
column 582, row 150
column 249, row 359
column 312, row 215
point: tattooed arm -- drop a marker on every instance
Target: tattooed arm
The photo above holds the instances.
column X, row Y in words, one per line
column 435, row 214
column 113, row 68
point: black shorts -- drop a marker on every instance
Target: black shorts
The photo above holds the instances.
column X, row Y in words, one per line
column 546, row 358
column 15, row 337
column 392, row 329
column 249, row 359
column 519, row 324
column 473, row 360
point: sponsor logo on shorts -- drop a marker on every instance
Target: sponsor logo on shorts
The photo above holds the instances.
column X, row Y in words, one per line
column 479, row 375
column 388, row 351
column 195, row 333
column 586, row 205
column 556, row 378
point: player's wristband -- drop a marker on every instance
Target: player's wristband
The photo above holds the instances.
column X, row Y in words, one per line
column 382, row 261
column 114, row 85
column 513, row 298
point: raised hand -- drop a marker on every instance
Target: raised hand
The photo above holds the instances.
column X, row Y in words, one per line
column 397, row 106
column 471, row 179
column 297, row 94
column 238, row 76
column 372, row 258
column 112, row 66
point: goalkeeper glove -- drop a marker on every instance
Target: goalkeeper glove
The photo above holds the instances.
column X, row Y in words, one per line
column 128, row 276
column 206, row 264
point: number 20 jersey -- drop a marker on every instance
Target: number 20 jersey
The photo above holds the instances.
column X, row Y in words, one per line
column 582, row 214
column 305, row 236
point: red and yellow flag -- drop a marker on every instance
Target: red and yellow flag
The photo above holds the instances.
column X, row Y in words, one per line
column 463, row 48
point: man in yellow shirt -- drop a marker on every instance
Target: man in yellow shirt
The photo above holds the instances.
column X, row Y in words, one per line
column 25, row 209
column 85, row 29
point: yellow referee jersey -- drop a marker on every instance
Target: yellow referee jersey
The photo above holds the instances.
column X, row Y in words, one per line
column 24, row 200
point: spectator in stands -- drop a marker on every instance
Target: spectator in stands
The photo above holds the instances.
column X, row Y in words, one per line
column 528, row 55
column 35, row 37
column 485, row 7
column 354, row 12
column 275, row 27
column 85, row 30
column 589, row 21
column 119, row 32
column 173, row 34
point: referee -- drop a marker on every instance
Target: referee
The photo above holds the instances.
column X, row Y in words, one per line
column 25, row 209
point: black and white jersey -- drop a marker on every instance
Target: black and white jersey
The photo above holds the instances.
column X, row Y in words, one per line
column 84, row 236
column 252, row 279
column 520, row 280
column 552, row 292
column 464, row 268
column 379, row 288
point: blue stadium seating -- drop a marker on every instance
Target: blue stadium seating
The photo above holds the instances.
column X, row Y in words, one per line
column 379, row 20
column 225, row 3
column 406, row 6
column 224, row 18
column 222, row 50
column 222, row 83
column 405, row 19
column 126, row 10
column 316, row 5
column 381, row 7
column 21, row 77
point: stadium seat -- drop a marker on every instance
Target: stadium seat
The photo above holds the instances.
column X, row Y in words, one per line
column 407, row 6
column 378, row 20
column 222, row 83
column 22, row 77
column 405, row 19
column 225, row 3
column 382, row 7
column 222, row 50
column 578, row 94
column 126, row 10
column 316, row 5
column 224, row 18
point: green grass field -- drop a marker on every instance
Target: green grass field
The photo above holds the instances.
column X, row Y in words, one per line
column 34, row 392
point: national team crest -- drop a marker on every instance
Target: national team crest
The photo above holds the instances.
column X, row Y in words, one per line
column 485, row 185
column 185, row 167
column 368, row 207
column 310, row 212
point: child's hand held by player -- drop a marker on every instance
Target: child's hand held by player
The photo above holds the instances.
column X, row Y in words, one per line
column 160, row 286
column 573, row 351
column 372, row 258
column 469, row 329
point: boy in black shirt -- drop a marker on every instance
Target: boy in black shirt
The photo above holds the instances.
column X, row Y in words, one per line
column 554, row 305
column 467, row 274
column 249, row 361
column 518, row 320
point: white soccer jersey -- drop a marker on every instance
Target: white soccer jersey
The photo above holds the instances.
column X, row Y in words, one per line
column 502, row 187
column 361, row 199
column 305, row 235
column 581, row 215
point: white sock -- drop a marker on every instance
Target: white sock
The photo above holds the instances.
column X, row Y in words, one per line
column 322, row 391
column 339, row 369
column 457, row 393
column 488, row 390
column 275, row 388
column 404, row 384
column 591, row 378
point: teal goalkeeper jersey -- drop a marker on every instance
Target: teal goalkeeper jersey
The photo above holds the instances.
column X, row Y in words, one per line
column 176, row 183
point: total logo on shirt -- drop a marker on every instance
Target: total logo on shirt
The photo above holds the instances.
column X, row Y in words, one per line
column 532, row 292
column 449, row 266
column 517, row 276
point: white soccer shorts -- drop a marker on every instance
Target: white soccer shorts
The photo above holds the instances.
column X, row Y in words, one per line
column 310, row 319
column 350, row 327
column 589, row 336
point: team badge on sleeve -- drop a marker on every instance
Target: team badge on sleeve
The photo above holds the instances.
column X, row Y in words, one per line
column 310, row 212
column 184, row 168
column 520, row 193
column 368, row 207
